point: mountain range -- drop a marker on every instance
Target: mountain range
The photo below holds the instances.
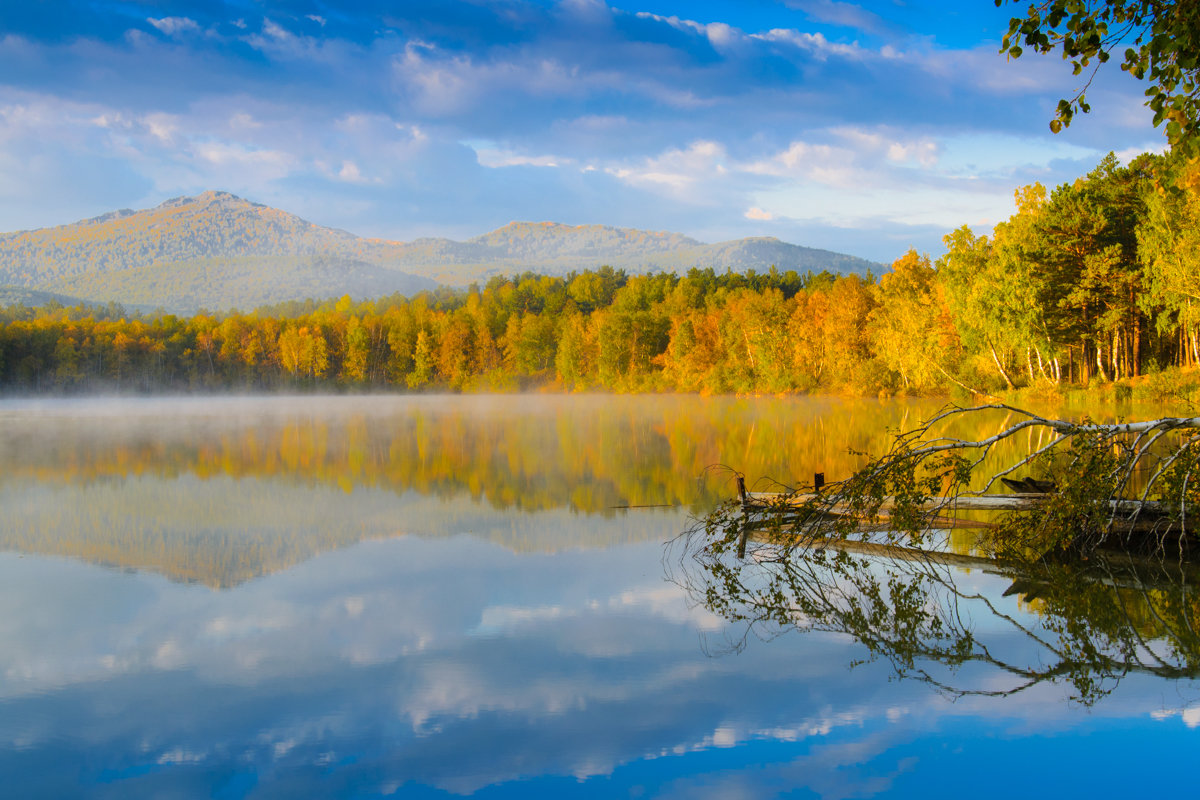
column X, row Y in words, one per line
column 218, row 251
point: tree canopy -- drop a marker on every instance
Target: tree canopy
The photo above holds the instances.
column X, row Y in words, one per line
column 1161, row 41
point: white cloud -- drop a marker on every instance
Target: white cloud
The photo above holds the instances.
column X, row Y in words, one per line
column 277, row 31
column 495, row 158
column 174, row 26
column 923, row 152
column 276, row 41
column 1130, row 153
column 244, row 121
column 720, row 35
column 853, row 158
column 943, row 207
column 676, row 171
column 162, row 127
column 441, row 83
column 440, row 87
column 350, row 173
column 819, row 163
column 251, row 164
column 814, row 43
column 686, row 25
column 883, row 142
column 756, row 213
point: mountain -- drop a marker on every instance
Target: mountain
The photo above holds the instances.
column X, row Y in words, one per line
column 213, row 251
column 218, row 251
column 556, row 249
column 19, row 295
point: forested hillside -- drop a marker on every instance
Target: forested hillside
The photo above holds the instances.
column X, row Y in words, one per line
column 16, row 295
column 554, row 249
column 211, row 251
column 1096, row 280
column 217, row 251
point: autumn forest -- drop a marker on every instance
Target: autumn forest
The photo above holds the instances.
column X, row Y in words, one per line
column 1093, row 281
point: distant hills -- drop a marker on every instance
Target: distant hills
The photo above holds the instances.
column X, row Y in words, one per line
column 218, row 251
column 14, row 295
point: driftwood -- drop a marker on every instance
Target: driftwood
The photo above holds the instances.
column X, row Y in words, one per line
column 1100, row 484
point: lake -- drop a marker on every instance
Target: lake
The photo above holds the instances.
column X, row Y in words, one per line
column 473, row 596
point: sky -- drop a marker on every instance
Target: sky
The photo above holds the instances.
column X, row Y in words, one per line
column 862, row 127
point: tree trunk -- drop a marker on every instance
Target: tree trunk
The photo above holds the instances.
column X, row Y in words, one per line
column 959, row 383
column 1042, row 366
column 1137, row 346
column 1116, row 356
column 1000, row 366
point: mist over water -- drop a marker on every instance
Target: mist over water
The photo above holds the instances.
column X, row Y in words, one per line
column 248, row 485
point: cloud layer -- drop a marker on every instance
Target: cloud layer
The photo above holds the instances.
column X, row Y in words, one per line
column 821, row 122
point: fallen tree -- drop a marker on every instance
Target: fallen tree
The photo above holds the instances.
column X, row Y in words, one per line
column 1088, row 485
column 880, row 555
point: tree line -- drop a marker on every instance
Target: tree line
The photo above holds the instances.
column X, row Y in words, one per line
column 1096, row 280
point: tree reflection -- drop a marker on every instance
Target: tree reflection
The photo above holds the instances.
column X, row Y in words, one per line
column 948, row 618
column 593, row 454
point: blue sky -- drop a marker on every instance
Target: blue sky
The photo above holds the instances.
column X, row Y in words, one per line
column 865, row 127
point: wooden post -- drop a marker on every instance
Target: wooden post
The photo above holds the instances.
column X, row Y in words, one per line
column 818, row 481
column 741, row 484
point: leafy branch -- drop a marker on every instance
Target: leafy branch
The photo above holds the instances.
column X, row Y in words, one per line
column 1162, row 45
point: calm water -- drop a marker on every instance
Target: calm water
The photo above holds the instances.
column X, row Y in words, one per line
column 448, row 596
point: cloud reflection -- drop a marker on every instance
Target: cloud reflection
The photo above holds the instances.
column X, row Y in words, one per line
column 452, row 664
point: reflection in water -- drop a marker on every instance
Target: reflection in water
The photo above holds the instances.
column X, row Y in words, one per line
column 440, row 612
column 221, row 532
column 589, row 453
column 222, row 490
column 219, row 490
column 394, row 666
column 1087, row 623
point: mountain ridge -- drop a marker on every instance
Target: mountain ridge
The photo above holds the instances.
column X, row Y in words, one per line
column 217, row 250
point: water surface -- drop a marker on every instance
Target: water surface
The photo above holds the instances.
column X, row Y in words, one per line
column 452, row 596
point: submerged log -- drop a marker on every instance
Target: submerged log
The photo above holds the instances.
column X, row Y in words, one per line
column 779, row 501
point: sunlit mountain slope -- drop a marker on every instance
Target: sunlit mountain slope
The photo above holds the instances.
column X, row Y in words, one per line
column 218, row 251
